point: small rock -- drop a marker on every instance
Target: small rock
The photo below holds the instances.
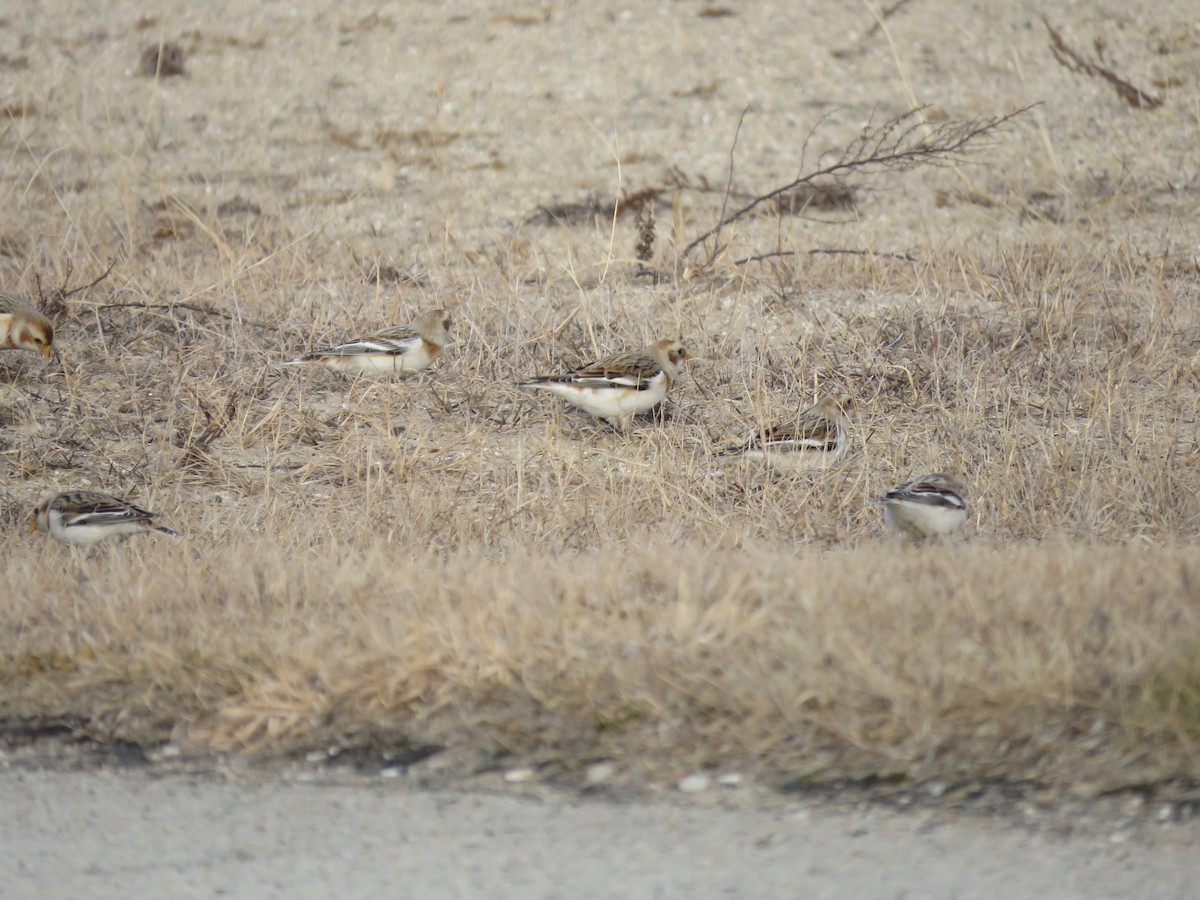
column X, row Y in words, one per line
column 1166, row 812
column 730, row 779
column 519, row 776
column 936, row 789
column 391, row 772
column 323, row 755
column 695, row 783
column 600, row 773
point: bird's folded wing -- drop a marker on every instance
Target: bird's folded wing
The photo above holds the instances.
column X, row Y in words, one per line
column 103, row 512
column 403, row 334
column 929, row 494
column 376, row 344
column 821, row 434
column 10, row 304
column 622, row 370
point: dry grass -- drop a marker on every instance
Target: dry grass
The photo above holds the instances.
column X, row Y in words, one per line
column 455, row 562
column 1017, row 661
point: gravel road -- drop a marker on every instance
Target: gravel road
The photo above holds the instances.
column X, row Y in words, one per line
column 109, row 833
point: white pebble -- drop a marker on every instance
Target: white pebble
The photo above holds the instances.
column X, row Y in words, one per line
column 695, row 783
column 600, row 773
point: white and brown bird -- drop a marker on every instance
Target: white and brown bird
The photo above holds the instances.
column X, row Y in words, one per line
column 84, row 518
column 815, row 439
column 24, row 328
column 620, row 386
column 400, row 350
column 926, row 507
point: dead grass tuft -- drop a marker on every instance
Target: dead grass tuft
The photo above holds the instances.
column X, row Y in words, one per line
column 1171, row 695
column 815, row 663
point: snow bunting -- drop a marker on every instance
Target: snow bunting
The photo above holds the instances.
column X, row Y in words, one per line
column 399, row 350
column 84, row 518
column 24, row 328
column 815, row 439
column 926, row 506
column 620, row 386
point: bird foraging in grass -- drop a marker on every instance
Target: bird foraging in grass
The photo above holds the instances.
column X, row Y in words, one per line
column 24, row 328
column 815, row 439
column 84, row 518
column 925, row 507
column 400, row 350
column 620, row 386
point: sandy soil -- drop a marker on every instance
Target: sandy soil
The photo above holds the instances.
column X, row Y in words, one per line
column 111, row 834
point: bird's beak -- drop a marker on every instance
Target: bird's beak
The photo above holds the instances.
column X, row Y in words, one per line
column 33, row 522
column 47, row 350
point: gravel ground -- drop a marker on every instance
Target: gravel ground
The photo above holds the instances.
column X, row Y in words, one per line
column 108, row 833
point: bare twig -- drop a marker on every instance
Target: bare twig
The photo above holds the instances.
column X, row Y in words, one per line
column 716, row 232
column 903, row 142
column 678, row 179
column 1075, row 62
column 55, row 304
column 91, row 284
column 763, row 257
column 170, row 307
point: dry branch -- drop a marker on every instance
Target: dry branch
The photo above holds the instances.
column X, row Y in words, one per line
column 903, row 142
column 827, row 251
column 1075, row 62
column 56, row 302
column 171, row 307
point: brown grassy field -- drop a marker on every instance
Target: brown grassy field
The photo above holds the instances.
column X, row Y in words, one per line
column 451, row 561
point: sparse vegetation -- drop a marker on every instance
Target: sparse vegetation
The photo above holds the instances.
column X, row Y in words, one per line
column 447, row 564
